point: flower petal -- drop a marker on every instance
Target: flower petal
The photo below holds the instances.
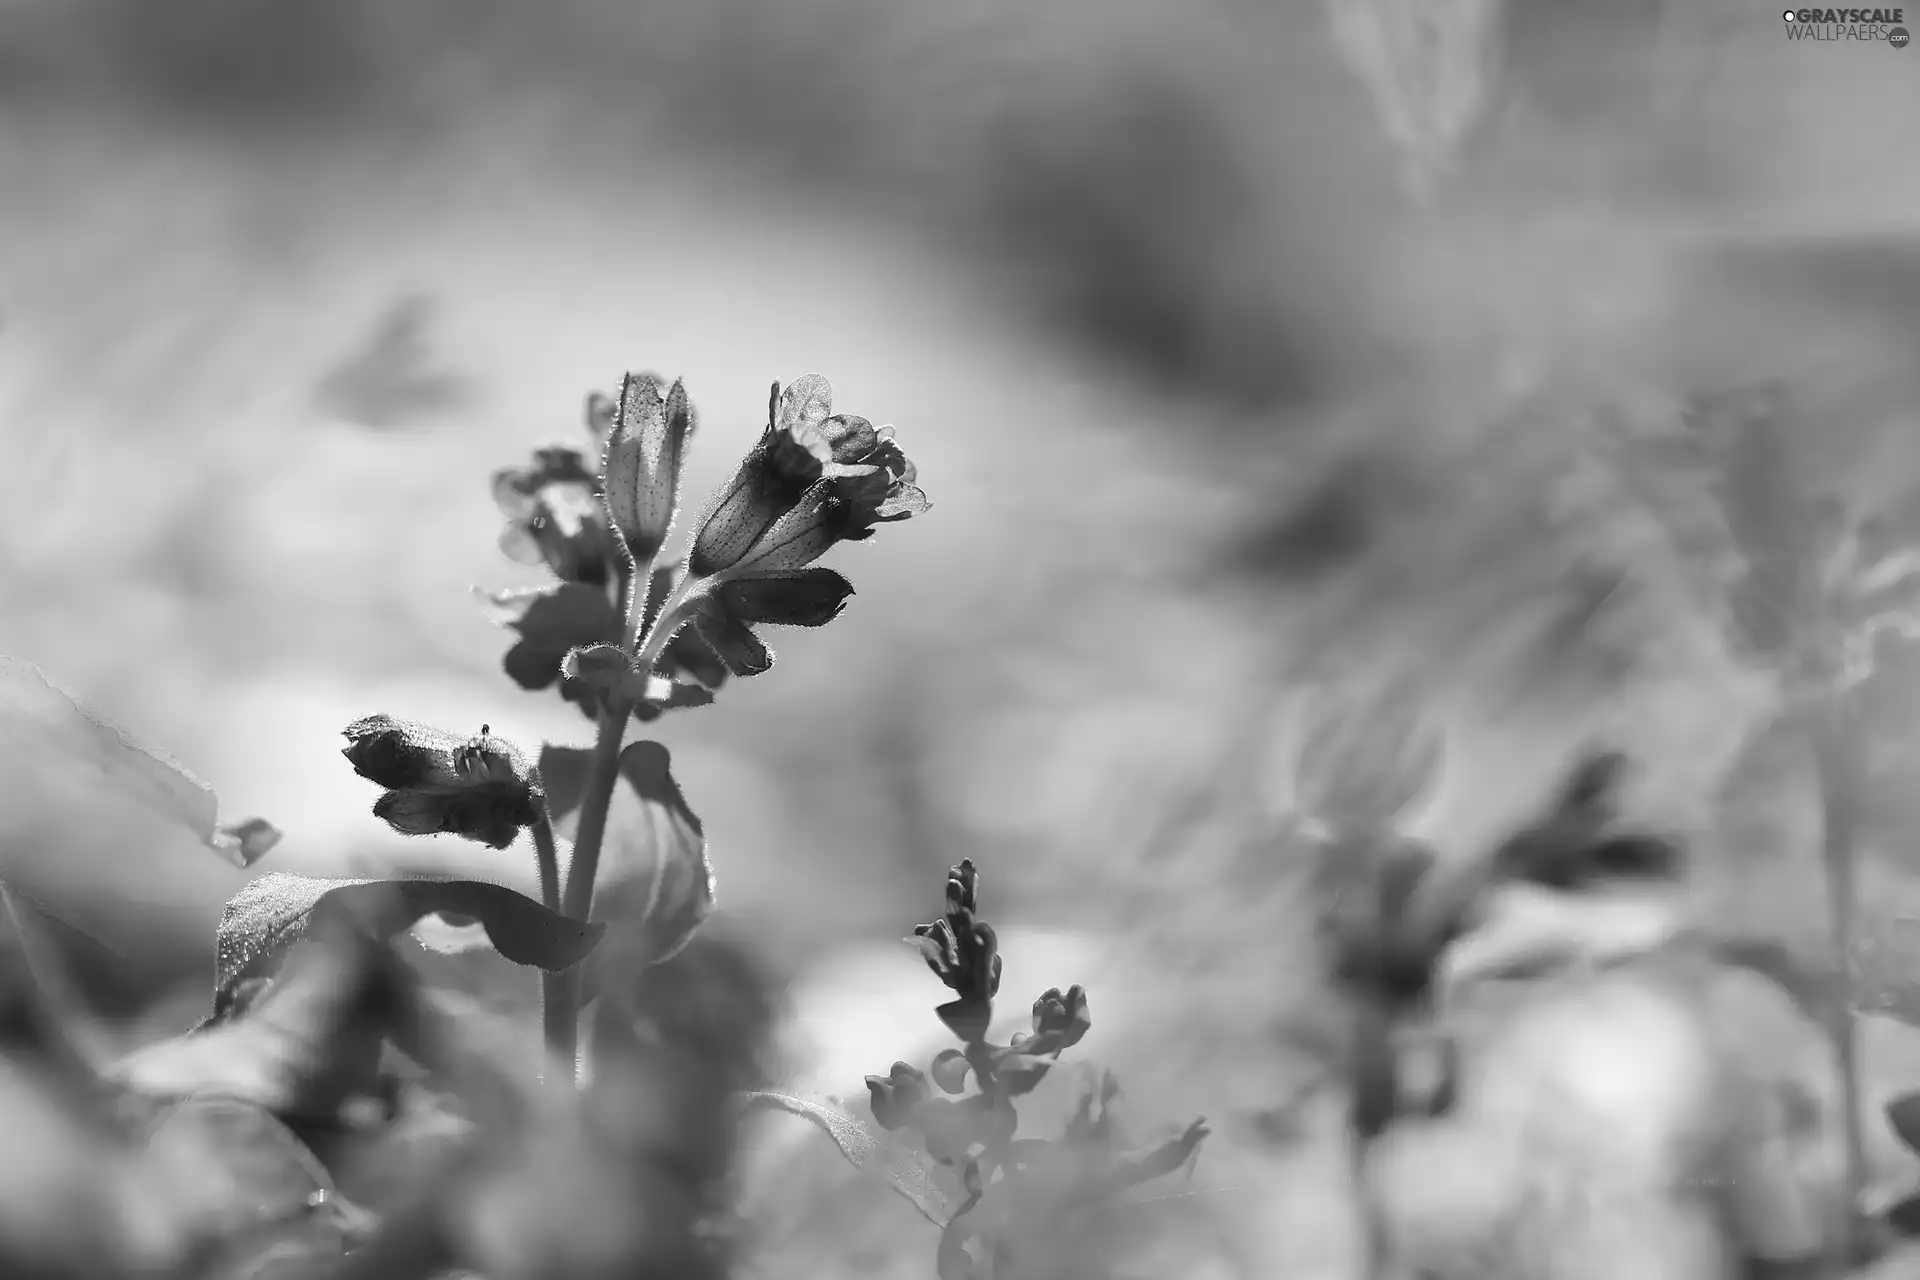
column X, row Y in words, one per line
column 804, row 405
column 800, row 536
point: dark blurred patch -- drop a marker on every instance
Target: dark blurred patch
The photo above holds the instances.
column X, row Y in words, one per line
column 1165, row 251
column 391, row 383
column 278, row 59
column 1333, row 523
column 1861, row 277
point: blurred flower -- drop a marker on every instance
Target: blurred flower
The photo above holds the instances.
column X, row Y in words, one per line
column 898, row 1096
column 554, row 513
column 949, row 1070
column 1060, row 1021
column 480, row 788
column 643, row 457
column 814, row 478
column 554, row 517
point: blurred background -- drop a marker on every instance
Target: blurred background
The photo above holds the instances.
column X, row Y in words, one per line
column 1231, row 339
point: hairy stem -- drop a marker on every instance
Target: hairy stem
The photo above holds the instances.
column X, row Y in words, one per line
column 547, row 855
column 603, row 771
column 638, row 588
column 560, row 992
column 557, row 1012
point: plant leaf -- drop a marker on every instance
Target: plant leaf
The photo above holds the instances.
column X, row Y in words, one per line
column 655, row 884
column 38, row 719
column 272, row 913
column 249, row 1186
column 910, row 1176
column 311, row 1041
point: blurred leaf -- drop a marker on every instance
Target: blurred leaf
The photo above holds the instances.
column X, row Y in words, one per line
column 304, row 1046
column 1903, row 1113
column 1784, row 529
column 1366, row 762
column 251, row 1189
column 390, row 382
column 1904, row 1216
column 38, row 719
column 619, row 1178
column 655, row 883
column 910, row 1172
column 274, row 911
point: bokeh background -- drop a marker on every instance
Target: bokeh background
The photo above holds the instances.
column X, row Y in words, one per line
column 1231, row 339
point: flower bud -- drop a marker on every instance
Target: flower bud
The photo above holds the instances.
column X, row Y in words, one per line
column 641, row 470
column 790, row 598
column 949, row 1070
column 1060, row 1021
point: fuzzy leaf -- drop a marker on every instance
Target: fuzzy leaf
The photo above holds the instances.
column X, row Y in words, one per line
column 655, row 886
column 40, row 722
column 910, row 1174
column 276, row 910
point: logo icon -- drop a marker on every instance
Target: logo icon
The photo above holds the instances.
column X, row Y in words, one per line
column 1898, row 37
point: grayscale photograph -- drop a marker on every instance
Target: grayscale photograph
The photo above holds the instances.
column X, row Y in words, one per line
column 959, row 640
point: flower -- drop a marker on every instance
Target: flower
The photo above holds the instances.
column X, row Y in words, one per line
column 481, row 788
column 814, row 478
column 555, row 516
column 553, row 621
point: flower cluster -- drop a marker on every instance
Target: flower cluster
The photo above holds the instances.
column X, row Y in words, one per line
column 621, row 628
